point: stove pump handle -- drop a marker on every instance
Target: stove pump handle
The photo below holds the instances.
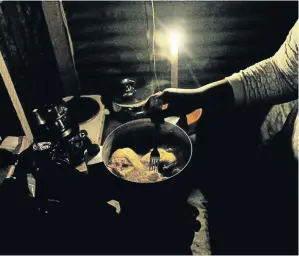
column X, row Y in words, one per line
column 129, row 87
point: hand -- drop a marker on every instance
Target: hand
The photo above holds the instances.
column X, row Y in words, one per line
column 217, row 95
column 178, row 102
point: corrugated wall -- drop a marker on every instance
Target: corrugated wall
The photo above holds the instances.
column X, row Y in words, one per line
column 110, row 38
column 26, row 47
column 27, row 50
column 110, row 41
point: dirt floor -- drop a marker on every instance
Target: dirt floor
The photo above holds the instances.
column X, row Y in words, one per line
column 201, row 243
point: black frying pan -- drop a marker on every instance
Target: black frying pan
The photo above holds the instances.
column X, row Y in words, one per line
column 138, row 135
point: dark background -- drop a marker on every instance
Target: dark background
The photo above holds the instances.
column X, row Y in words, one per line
column 221, row 37
column 110, row 42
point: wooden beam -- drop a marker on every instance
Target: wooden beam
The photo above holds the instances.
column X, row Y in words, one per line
column 15, row 99
column 62, row 45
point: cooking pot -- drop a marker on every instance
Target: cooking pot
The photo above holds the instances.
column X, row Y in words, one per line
column 129, row 98
column 138, row 135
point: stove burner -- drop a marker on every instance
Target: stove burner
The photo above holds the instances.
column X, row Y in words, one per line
column 83, row 109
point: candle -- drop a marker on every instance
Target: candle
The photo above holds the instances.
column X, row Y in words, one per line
column 174, row 58
column 174, row 71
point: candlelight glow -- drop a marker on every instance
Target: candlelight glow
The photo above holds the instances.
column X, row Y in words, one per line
column 174, row 37
column 168, row 43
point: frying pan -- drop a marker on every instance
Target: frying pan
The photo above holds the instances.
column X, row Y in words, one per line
column 138, row 135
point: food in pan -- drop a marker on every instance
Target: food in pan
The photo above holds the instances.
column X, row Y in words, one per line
column 128, row 165
column 165, row 157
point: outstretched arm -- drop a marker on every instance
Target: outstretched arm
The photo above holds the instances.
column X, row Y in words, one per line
column 271, row 81
column 274, row 80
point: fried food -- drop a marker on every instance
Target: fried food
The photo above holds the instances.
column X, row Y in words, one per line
column 128, row 165
column 120, row 166
column 129, row 155
column 123, row 161
column 165, row 157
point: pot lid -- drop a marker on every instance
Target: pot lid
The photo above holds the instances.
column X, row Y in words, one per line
column 141, row 95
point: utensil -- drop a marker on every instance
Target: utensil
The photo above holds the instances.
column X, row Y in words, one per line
column 155, row 155
column 157, row 118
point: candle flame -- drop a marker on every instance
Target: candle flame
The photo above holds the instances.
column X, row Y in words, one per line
column 174, row 43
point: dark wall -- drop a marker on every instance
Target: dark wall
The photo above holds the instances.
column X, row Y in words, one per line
column 222, row 37
column 110, row 41
column 28, row 53
column 9, row 124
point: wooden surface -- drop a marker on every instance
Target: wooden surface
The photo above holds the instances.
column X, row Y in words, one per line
column 15, row 145
column 15, row 99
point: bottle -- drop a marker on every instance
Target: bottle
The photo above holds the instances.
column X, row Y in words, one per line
column 41, row 130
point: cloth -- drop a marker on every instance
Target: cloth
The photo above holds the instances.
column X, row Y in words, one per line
column 274, row 80
column 275, row 179
column 275, row 120
column 11, row 146
column 250, row 196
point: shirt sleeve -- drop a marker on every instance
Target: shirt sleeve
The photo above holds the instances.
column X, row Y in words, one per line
column 273, row 80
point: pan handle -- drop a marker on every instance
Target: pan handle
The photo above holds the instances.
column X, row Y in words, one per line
column 186, row 122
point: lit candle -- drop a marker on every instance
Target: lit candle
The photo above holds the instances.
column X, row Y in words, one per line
column 174, row 58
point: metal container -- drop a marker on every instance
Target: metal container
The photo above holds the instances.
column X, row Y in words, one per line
column 130, row 98
column 138, row 135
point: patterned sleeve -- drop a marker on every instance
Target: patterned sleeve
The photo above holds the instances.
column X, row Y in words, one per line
column 274, row 80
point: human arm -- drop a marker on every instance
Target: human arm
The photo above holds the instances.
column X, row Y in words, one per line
column 271, row 81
